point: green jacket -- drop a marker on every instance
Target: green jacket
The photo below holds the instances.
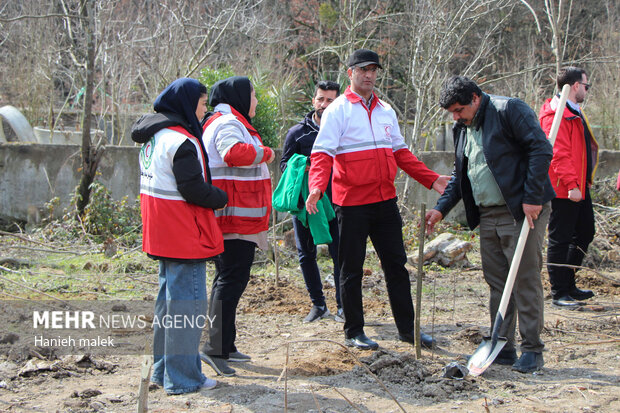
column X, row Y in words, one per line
column 290, row 196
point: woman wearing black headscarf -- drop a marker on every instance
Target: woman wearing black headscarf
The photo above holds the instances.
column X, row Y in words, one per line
column 177, row 201
column 238, row 162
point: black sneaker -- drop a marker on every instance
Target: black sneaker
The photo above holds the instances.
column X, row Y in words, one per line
column 362, row 342
column 506, row 357
column 239, row 357
column 426, row 340
column 529, row 362
column 579, row 294
column 218, row 364
column 316, row 313
column 565, row 301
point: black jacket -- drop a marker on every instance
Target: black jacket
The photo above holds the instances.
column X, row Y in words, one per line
column 185, row 165
column 299, row 139
column 517, row 152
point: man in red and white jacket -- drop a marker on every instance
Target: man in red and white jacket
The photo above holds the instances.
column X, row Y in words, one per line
column 575, row 156
column 360, row 138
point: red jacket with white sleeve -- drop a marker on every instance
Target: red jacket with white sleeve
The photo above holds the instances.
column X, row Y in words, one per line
column 237, row 160
column 365, row 147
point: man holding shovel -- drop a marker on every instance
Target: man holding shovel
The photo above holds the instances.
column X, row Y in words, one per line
column 501, row 174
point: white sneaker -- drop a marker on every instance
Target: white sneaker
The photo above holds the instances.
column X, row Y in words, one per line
column 208, row 384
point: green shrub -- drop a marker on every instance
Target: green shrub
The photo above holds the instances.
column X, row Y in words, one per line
column 267, row 117
column 106, row 218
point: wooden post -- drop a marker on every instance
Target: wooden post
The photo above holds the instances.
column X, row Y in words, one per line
column 418, row 290
column 145, row 378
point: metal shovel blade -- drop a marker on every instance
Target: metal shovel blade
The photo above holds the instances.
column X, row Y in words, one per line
column 484, row 355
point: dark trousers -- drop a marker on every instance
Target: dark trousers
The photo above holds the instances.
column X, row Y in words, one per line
column 382, row 223
column 306, row 250
column 571, row 230
column 232, row 273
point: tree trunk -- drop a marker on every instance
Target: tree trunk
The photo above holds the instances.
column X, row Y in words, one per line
column 90, row 155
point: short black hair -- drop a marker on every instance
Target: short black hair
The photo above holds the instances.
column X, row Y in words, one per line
column 458, row 89
column 569, row 75
column 327, row 85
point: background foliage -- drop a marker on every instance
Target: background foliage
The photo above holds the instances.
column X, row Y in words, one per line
column 510, row 47
column 267, row 120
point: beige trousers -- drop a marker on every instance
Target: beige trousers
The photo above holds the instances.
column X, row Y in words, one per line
column 499, row 233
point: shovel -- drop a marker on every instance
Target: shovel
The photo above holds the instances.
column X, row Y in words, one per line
column 491, row 346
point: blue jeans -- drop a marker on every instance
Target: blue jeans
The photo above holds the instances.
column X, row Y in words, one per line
column 306, row 250
column 180, row 315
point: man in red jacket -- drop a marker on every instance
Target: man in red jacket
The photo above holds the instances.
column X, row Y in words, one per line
column 361, row 139
column 575, row 156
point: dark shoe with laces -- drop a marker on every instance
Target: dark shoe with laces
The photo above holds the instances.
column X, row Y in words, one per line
column 362, row 342
column 316, row 313
column 566, row 301
column 529, row 362
column 506, row 357
column 427, row 341
column 579, row 294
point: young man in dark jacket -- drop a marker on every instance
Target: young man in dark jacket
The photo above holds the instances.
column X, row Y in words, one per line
column 300, row 139
column 501, row 174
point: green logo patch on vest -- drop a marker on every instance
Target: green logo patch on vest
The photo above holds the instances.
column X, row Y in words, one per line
column 146, row 153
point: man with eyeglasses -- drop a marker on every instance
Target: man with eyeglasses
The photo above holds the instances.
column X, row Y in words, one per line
column 575, row 156
column 361, row 139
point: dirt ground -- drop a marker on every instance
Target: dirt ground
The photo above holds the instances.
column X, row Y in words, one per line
column 581, row 372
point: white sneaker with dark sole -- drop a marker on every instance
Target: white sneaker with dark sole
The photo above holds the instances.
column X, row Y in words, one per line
column 208, row 384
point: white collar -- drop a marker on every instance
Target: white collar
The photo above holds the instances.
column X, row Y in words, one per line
column 573, row 105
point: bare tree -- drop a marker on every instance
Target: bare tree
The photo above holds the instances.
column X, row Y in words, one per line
column 447, row 39
column 511, row 46
column 91, row 155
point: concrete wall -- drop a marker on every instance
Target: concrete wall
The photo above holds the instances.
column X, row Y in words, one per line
column 32, row 174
